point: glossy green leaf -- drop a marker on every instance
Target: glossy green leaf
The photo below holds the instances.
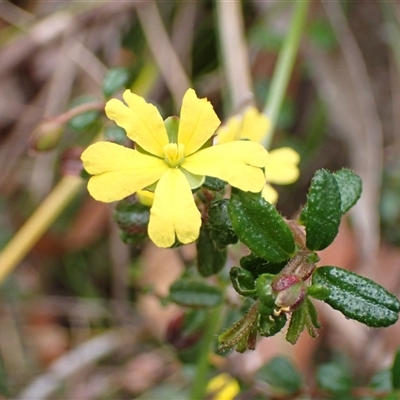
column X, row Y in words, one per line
column 242, row 281
column 214, row 184
column 280, row 373
column 132, row 218
column 114, row 80
column 396, row 371
column 357, row 297
column 194, row 293
column 270, row 325
column 257, row 265
column 220, row 226
column 260, row 226
column 323, row 211
column 350, row 187
column 211, row 258
column 334, row 378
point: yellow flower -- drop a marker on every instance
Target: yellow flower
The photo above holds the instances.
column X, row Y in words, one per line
column 223, row 387
column 171, row 158
column 282, row 165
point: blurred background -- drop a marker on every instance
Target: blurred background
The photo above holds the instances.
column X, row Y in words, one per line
column 81, row 316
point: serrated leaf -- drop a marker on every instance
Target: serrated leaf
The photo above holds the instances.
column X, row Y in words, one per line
column 210, row 257
column 260, row 226
column 323, row 212
column 350, row 187
column 193, row 293
column 280, row 373
column 357, row 297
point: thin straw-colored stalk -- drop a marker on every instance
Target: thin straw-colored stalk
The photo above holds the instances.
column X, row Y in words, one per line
column 38, row 223
column 233, row 47
column 284, row 66
column 163, row 52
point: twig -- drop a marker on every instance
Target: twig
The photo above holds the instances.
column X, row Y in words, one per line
column 163, row 51
column 74, row 361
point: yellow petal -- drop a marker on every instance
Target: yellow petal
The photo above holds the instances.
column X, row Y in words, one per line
column 223, row 387
column 269, row 194
column 282, row 167
column 119, row 171
column 239, row 163
column 255, row 125
column 174, row 211
column 230, row 131
column 198, row 122
column 145, row 197
column 141, row 120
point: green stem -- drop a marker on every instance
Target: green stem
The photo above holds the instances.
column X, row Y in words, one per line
column 284, row 67
column 199, row 386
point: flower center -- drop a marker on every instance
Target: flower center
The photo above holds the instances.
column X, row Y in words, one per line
column 173, row 154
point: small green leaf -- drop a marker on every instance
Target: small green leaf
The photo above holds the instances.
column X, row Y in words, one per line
column 334, row 378
column 280, row 373
column 132, row 218
column 323, row 211
column 114, row 80
column 193, row 293
column 296, row 325
column 396, row 371
column 270, row 325
column 382, row 380
column 318, row 292
column 220, row 226
column 260, row 226
column 214, row 184
column 264, row 290
column 242, row 281
column 350, row 187
column 82, row 121
column 357, row 297
column 257, row 265
column 210, row 257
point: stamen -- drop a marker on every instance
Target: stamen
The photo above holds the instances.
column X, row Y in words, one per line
column 174, row 154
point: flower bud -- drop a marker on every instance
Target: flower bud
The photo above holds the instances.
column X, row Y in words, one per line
column 290, row 291
column 46, row 135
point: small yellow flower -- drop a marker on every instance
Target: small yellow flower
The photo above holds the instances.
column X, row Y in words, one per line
column 223, row 387
column 282, row 167
column 169, row 158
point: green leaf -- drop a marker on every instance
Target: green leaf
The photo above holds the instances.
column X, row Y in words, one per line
column 82, row 121
column 257, row 265
column 114, row 80
column 214, row 184
column 193, row 293
column 280, row 373
column 382, row 381
column 350, row 187
column 260, row 226
column 334, row 378
column 296, row 325
column 220, row 226
column 323, row 211
column 210, row 257
column 242, row 281
column 396, row 371
column 132, row 218
column 357, row 297
column 318, row 292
